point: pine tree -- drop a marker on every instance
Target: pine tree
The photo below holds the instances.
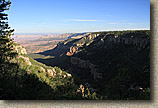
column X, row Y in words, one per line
column 6, row 49
column 6, row 43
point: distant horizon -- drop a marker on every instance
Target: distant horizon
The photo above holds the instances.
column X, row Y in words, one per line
column 81, row 32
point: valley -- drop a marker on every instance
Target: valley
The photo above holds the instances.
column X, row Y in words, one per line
column 35, row 43
column 74, row 50
column 98, row 59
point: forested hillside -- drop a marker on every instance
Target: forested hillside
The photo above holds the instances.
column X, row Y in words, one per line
column 23, row 78
column 29, row 79
column 111, row 65
column 114, row 64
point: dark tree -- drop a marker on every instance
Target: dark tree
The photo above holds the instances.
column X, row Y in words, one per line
column 7, row 53
column 6, row 43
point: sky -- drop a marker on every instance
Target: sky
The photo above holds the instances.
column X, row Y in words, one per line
column 65, row 16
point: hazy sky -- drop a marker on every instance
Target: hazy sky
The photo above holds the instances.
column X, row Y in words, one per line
column 58, row 16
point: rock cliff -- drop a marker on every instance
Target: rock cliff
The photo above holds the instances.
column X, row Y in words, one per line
column 24, row 60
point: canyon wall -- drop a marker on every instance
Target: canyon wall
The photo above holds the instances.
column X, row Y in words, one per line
column 86, row 64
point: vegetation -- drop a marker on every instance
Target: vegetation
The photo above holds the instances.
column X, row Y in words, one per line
column 6, row 49
column 124, row 65
column 36, row 56
column 21, row 77
column 120, row 57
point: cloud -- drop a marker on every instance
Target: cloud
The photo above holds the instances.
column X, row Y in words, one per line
column 82, row 20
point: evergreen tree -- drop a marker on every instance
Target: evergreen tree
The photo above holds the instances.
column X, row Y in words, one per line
column 6, row 43
column 6, row 49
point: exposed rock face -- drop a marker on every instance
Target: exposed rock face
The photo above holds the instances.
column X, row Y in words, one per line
column 81, row 90
column 72, row 51
column 42, row 69
column 80, row 36
column 137, row 41
column 26, row 59
column 51, row 72
column 110, row 40
column 64, row 76
column 86, row 64
column 92, row 36
column 87, row 36
column 69, row 53
column 19, row 49
column 68, row 75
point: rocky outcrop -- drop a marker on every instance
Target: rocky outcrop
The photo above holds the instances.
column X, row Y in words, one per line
column 71, row 51
column 127, row 40
column 26, row 59
column 51, row 72
column 42, row 69
column 19, row 49
column 86, row 64
column 92, row 36
column 81, row 90
column 87, row 36
column 109, row 40
column 80, row 36
column 68, row 75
